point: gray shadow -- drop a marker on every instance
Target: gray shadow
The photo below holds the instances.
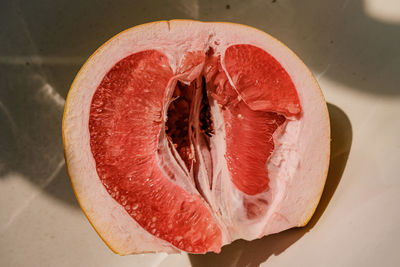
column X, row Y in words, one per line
column 43, row 44
column 243, row 253
column 337, row 39
column 30, row 136
column 42, row 48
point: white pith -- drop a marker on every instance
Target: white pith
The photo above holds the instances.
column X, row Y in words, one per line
column 297, row 167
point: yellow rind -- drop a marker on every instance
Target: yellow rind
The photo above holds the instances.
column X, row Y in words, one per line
column 63, row 127
column 307, row 218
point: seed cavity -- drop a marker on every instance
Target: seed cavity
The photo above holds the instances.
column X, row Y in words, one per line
column 182, row 117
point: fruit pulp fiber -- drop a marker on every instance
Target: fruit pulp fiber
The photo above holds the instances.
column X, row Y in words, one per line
column 127, row 118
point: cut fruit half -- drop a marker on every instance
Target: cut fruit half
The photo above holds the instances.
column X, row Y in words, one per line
column 184, row 136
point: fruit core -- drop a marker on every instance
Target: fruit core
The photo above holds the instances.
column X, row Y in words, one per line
column 142, row 99
column 180, row 113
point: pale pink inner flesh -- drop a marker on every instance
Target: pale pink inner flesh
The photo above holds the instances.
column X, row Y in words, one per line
column 126, row 120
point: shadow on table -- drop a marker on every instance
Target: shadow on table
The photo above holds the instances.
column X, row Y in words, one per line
column 42, row 46
column 252, row 253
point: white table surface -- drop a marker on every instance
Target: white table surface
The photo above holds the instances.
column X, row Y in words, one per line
column 353, row 48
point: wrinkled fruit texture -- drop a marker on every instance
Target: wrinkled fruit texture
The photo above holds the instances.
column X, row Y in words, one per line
column 183, row 139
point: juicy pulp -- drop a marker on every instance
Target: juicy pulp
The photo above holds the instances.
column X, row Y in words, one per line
column 191, row 54
column 126, row 120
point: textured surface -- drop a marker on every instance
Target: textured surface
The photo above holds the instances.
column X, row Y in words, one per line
column 353, row 50
column 126, row 128
column 298, row 169
column 267, row 89
column 251, row 70
column 125, row 122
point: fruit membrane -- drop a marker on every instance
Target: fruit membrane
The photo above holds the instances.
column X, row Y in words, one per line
column 198, row 134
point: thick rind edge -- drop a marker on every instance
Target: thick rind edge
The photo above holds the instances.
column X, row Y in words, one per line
column 63, row 135
column 307, row 218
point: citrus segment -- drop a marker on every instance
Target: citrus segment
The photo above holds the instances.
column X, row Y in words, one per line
column 124, row 124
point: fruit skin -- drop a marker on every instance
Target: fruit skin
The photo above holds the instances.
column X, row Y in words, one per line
column 112, row 248
column 306, row 217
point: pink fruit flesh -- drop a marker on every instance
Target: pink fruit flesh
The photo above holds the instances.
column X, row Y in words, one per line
column 126, row 118
column 248, row 150
column 261, row 81
column 124, row 125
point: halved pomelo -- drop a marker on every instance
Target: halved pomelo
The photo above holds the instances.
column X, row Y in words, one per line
column 185, row 135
